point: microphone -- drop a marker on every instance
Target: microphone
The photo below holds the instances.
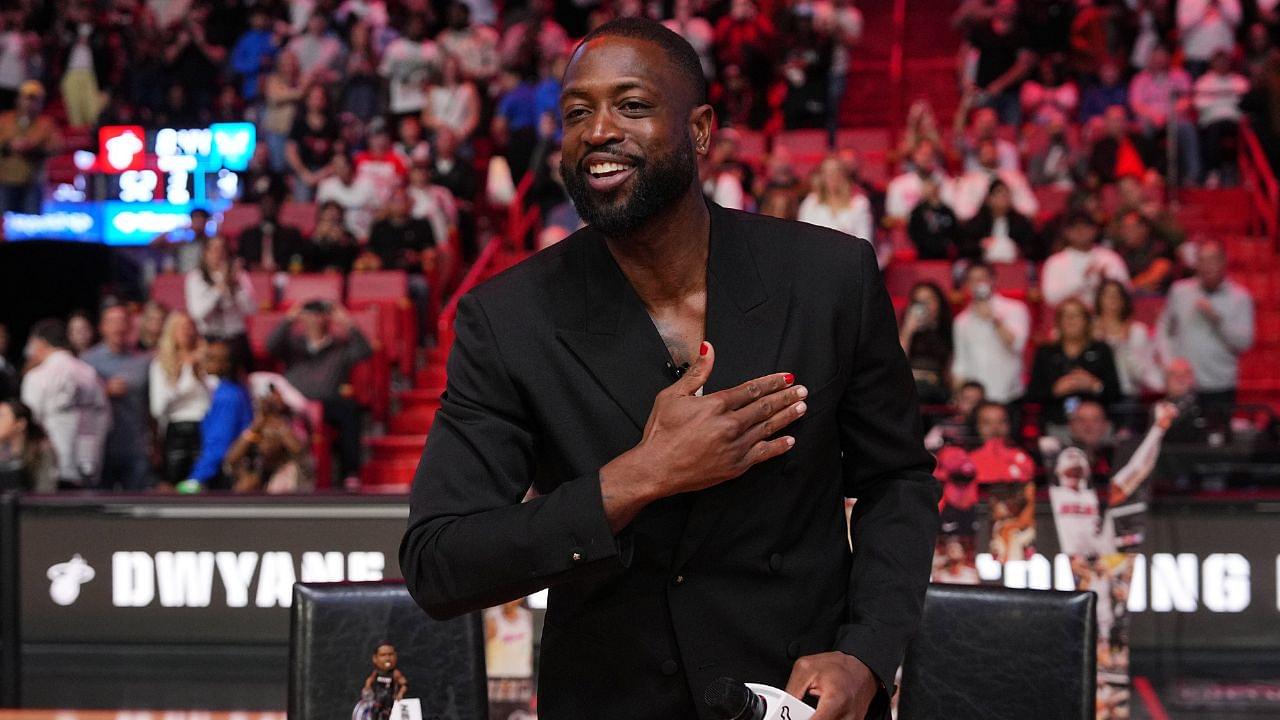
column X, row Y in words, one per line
column 728, row 699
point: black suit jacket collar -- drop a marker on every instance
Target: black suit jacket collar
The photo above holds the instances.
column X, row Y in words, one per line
column 616, row 340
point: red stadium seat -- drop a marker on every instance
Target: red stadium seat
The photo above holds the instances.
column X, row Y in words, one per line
column 311, row 286
column 238, row 218
column 170, row 290
column 752, row 145
column 864, row 139
column 417, row 410
column 389, row 291
column 259, row 327
column 300, row 215
column 393, row 460
column 1013, row 278
column 371, row 379
column 899, row 279
column 264, row 289
column 803, row 142
column 1147, row 309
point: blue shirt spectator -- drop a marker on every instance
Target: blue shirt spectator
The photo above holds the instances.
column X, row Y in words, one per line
column 230, row 413
column 254, row 53
column 1111, row 89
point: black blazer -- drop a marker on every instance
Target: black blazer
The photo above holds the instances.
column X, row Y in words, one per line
column 285, row 244
column 553, row 374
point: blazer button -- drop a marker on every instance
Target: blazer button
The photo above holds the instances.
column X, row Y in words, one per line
column 790, row 468
column 793, row 649
column 670, row 667
column 678, row 580
column 576, row 555
column 775, row 562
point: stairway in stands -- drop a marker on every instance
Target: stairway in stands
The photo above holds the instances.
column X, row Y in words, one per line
column 1253, row 262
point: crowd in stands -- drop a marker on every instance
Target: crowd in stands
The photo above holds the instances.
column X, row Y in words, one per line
column 399, row 121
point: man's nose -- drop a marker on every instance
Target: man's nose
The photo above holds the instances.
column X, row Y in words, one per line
column 603, row 129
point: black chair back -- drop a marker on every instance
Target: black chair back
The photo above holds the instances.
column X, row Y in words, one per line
column 998, row 654
column 334, row 628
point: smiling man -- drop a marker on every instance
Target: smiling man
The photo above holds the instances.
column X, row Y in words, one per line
column 691, row 393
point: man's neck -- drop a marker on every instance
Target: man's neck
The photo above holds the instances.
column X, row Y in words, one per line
column 666, row 258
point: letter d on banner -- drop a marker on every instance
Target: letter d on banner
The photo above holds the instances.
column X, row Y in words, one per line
column 133, row 579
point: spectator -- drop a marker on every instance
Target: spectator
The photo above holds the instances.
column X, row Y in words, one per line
column 179, row 396
column 332, row 247
column 990, row 336
column 452, row 103
column 725, row 178
column 1003, row 61
column 837, row 204
column 1195, row 423
column 193, row 57
column 925, row 336
column 67, row 400
column 1146, row 257
column 1131, row 343
column 520, row 50
column 230, row 412
column 1160, row 97
column 779, row 204
column 1053, row 164
column 81, row 95
column 998, row 233
column 1108, row 90
column 124, row 371
column 319, row 52
column 283, row 90
column 355, row 195
column 449, row 171
column 270, row 245
column 432, row 203
column 921, row 124
column 13, row 59
column 933, row 228
column 840, row 21
column 689, row 24
column 904, row 191
column 361, row 84
column 972, row 188
column 312, row 143
column 997, row 457
column 271, row 454
column 956, row 429
column 1208, row 319
column 746, row 39
column 27, row 461
column 27, row 137
column 1049, row 97
column 1218, row 94
column 150, row 326
column 1205, row 28
column 1118, row 152
column 410, row 146
column 1073, row 368
column 473, row 44
column 984, row 127
column 80, row 333
column 180, row 249
column 319, row 364
column 407, row 64
column 252, row 56
column 219, row 297
column 379, row 165
column 1076, row 271
column 399, row 242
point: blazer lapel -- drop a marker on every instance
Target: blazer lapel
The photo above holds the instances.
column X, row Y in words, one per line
column 618, row 342
column 745, row 322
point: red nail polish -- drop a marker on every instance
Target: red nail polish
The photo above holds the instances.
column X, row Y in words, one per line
column 702, row 349
column 788, row 378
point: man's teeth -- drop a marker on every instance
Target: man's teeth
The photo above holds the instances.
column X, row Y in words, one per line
column 608, row 167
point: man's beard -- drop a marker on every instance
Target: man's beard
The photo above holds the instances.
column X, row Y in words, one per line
column 655, row 185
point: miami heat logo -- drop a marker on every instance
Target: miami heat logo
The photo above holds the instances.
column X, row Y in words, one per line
column 66, row 578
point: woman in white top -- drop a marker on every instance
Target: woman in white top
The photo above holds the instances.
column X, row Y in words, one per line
column 1217, row 97
column 179, row 395
column 1130, row 341
column 836, row 203
column 220, row 297
column 453, row 102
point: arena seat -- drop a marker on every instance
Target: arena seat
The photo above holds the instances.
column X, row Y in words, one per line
column 1147, row 309
column 864, row 139
column 311, row 286
column 899, row 279
column 237, row 218
column 170, row 290
column 259, row 327
column 371, row 379
column 301, row 215
column 264, row 288
column 389, row 291
column 417, row 411
column 985, row 653
column 1013, row 278
column 333, row 628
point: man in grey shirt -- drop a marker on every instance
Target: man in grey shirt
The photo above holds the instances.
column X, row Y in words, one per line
column 125, row 373
column 1208, row 320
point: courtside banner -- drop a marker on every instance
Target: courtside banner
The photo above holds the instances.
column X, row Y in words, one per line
column 192, row 570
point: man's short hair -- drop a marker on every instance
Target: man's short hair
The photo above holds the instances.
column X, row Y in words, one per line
column 673, row 46
column 52, row 331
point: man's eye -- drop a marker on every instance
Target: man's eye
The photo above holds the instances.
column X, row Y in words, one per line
column 574, row 113
column 634, row 106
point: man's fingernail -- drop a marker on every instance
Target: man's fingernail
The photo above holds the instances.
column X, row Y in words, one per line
column 790, row 441
column 802, row 391
column 788, row 378
column 702, row 349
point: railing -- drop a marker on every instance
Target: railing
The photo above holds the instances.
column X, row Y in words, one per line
column 520, row 220
column 1259, row 179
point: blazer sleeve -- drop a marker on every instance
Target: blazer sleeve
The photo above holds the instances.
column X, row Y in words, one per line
column 887, row 468
column 471, row 543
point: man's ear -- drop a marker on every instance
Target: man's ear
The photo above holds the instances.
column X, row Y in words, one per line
column 702, row 122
